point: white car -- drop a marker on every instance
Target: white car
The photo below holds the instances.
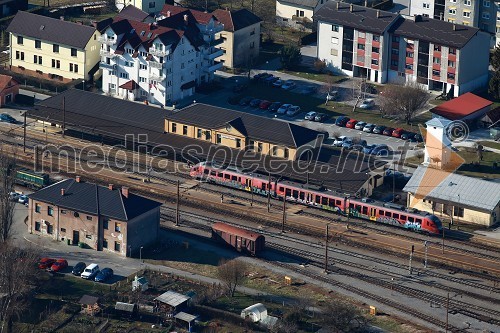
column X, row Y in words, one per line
column 310, row 115
column 288, row 85
column 14, row 196
column 90, row 272
column 367, row 104
column 338, row 142
column 293, row 110
column 284, row 108
column 23, row 199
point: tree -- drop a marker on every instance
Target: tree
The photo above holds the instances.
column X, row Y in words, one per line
column 319, row 65
column 231, row 273
column 494, row 87
column 290, row 56
column 479, row 152
column 343, row 317
column 403, row 100
column 18, row 277
column 7, row 179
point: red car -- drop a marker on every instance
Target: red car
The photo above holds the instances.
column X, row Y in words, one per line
column 264, row 105
column 398, row 132
column 59, row 265
column 46, row 263
column 351, row 123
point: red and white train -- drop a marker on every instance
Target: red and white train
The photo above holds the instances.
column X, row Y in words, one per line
column 364, row 208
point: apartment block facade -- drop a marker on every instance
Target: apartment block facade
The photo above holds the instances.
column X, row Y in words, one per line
column 53, row 49
column 160, row 62
column 386, row 47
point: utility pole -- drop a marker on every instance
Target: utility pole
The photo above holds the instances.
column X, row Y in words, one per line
column 442, row 245
column 24, row 132
column 251, row 190
column 284, row 215
column 36, row 157
column 269, row 193
column 326, row 249
column 393, row 182
column 410, row 270
column 64, row 116
column 425, row 260
column 447, row 308
column 177, row 205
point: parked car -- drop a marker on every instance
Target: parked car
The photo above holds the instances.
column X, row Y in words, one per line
column 288, row 85
column 379, row 129
column 418, row 138
column 78, row 268
column 245, row 100
column 14, row 196
column 398, row 132
column 283, row 108
column 308, row 90
column 260, row 75
column 332, row 95
column 341, row 121
column 380, row 150
column 90, row 272
column 407, row 135
column 368, row 128
column 388, row 131
column 320, row 117
column 104, row 275
column 368, row 149
column 310, row 115
column 274, row 106
column 255, row 102
column 351, row 123
column 23, row 199
column 367, row 104
column 359, row 125
column 278, row 83
column 59, row 265
column 264, row 104
column 338, row 142
column 271, row 80
column 293, row 110
column 7, row 118
column 239, row 87
column 268, row 79
column 45, row 263
column 359, row 145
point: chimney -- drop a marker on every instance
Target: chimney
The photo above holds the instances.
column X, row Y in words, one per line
column 454, row 27
column 61, row 18
column 185, row 19
column 110, row 187
column 62, row 192
column 125, row 191
column 378, row 13
column 78, row 179
column 351, row 7
column 168, row 13
column 338, row 5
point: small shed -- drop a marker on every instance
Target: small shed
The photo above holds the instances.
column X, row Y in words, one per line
column 171, row 302
column 257, row 313
column 90, row 305
column 126, row 308
column 186, row 318
column 9, row 89
column 140, row 284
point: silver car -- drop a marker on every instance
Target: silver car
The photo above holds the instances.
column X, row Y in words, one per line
column 367, row 104
column 368, row 128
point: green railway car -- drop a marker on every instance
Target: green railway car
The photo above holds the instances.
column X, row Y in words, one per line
column 32, row 179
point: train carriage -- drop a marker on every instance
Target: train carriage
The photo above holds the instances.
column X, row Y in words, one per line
column 242, row 240
column 32, row 179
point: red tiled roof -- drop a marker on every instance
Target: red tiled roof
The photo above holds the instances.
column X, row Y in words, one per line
column 200, row 17
column 236, row 20
column 7, row 81
column 224, row 16
column 461, row 106
column 130, row 85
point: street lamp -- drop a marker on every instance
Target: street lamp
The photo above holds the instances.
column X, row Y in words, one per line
column 140, row 254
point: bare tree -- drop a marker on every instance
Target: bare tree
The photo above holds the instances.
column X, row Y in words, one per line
column 231, row 273
column 403, row 100
column 339, row 317
column 18, row 276
column 7, row 179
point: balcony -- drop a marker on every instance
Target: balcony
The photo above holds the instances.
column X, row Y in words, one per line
column 103, row 65
column 214, row 30
column 216, row 66
column 106, row 53
column 217, row 53
column 216, row 42
column 156, row 65
column 158, row 53
column 157, row 77
column 105, row 40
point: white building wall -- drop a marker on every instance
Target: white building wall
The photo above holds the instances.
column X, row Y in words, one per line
column 422, row 7
column 330, row 47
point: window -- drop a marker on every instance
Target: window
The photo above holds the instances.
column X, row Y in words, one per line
column 437, row 48
column 436, row 60
column 274, row 150
column 334, row 52
column 63, row 229
column 50, row 211
column 37, row 226
column 37, row 59
column 436, row 72
column 118, row 246
column 105, row 243
column 453, row 11
column 124, row 75
column 409, row 66
column 253, row 32
column 142, row 66
column 38, row 208
column 467, row 2
column 376, row 38
column 50, row 229
column 286, row 153
column 409, row 54
column 361, row 34
column 218, row 138
column 88, row 236
column 55, row 48
column 151, row 5
column 452, row 51
column 20, row 40
column 426, row 5
column 89, row 218
column 252, row 45
column 486, row 3
column 70, row 67
column 451, row 76
column 105, row 224
column 375, row 62
column 174, row 127
column 56, row 63
column 259, row 146
column 184, row 130
column 335, row 40
column 335, row 28
column 394, row 51
column 238, row 143
column 375, row 49
column 458, row 211
column 299, row 13
column 118, row 227
column 38, row 44
column 395, row 39
column 361, row 46
column 360, row 59
column 142, row 79
column 451, row 63
column 486, row 16
column 199, row 133
column 466, row 14
column 394, row 63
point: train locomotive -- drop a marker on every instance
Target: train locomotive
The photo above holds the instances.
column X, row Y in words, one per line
column 363, row 208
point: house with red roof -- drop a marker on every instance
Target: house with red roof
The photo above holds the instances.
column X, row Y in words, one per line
column 9, row 88
column 468, row 107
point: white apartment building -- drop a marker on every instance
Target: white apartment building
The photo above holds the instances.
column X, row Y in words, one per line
column 386, row 47
column 161, row 62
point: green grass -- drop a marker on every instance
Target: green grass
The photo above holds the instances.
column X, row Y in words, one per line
column 307, row 73
column 491, row 144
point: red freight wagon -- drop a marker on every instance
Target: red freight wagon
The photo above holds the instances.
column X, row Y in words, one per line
column 242, row 240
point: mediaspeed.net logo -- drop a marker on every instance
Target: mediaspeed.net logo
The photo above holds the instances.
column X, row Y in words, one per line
column 442, row 159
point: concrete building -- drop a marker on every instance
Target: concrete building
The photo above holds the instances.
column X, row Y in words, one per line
column 148, row 6
column 53, row 49
column 160, row 62
column 241, row 37
column 386, row 47
column 9, row 88
column 297, row 13
column 103, row 218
